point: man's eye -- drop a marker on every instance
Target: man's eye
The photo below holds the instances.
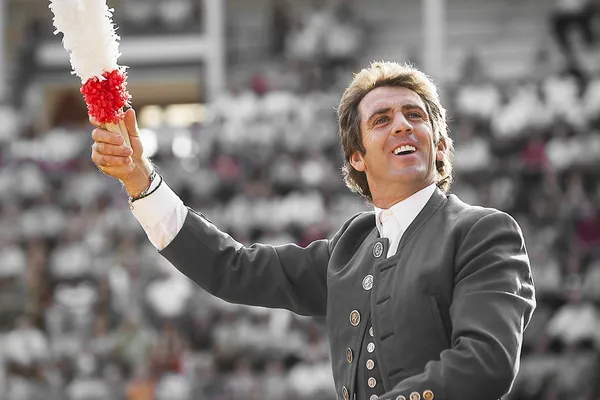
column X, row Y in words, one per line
column 382, row 119
column 414, row 114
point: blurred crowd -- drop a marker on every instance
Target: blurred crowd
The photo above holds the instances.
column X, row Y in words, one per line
column 154, row 17
column 90, row 311
column 321, row 40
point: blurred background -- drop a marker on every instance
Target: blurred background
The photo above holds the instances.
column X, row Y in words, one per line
column 236, row 100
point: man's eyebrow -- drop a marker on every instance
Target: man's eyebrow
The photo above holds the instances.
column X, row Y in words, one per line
column 379, row 111
column 412, row 106
column 386, row 109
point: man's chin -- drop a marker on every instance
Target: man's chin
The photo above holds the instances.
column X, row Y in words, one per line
column 413, row 177
column 409, row 173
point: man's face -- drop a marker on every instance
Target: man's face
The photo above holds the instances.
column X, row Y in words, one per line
column 398, row 138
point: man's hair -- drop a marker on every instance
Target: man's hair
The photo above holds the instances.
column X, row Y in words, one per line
column 380, row 74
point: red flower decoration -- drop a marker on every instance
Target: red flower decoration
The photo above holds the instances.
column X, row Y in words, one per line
column 105, row 99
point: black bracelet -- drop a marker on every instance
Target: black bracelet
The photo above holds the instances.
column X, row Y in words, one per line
column 145, row 193
column 153, row 190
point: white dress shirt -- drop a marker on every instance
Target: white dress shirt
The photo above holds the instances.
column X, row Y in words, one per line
column 398, row 217
column 162, row 215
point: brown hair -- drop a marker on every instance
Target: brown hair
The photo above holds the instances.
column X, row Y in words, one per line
column 389, row 74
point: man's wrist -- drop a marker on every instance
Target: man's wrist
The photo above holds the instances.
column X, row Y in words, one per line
column 155, row 182
column 139, row 180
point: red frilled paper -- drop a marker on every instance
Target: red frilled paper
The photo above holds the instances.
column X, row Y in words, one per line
column 106, row 98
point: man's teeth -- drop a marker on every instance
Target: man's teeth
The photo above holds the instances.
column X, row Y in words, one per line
column 405, row 149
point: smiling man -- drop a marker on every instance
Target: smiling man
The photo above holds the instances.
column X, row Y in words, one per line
column 424, row 297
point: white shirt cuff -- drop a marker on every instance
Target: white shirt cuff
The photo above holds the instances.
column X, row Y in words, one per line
column 161, row 215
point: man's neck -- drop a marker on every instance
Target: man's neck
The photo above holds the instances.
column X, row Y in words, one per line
column 387, row 200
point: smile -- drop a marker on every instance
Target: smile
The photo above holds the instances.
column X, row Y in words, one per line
column 404, row 150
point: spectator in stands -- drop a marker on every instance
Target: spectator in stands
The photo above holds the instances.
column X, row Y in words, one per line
column 472, row 151
column 88, row 383
column 26, row 351
column 274, row 383
column 343, row 40
column 141, row 386
column 13, row 289
column 330, row 40
column 161, row 16
column 27, row 60
column 573, row 15
column 281, row 24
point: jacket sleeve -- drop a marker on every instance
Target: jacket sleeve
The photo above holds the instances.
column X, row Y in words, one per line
column 492, row 303
column 287, row 276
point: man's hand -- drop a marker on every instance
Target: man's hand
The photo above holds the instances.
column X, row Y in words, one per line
column 112, row 156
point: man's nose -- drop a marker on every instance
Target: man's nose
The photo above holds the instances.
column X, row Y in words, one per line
column 401, row 125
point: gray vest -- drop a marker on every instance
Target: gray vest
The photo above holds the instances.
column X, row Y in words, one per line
column 369, row 385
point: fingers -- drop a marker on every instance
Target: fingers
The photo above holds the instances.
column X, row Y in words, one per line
column 112, row 150
column 103, row 161
column 104, row 136
column 131, row 122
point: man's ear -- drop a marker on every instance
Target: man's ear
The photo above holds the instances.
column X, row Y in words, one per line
column 441, row 150
column 357, row 161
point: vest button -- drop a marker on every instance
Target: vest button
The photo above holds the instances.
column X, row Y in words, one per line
column 355, row 318
column 378, row 250
column 372, row 382
column 371, row 347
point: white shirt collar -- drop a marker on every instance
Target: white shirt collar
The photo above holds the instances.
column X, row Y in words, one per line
column 407, row 210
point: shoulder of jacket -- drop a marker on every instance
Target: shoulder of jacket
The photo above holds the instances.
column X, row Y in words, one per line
column 467, row 215
column 354, row 230
column 362, row 220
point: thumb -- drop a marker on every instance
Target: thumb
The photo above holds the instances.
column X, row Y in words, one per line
column 134, row 133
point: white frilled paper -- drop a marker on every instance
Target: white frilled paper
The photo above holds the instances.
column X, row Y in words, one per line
column 88, row 35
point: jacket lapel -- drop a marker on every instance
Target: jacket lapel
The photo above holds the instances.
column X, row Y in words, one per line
column 435, row 202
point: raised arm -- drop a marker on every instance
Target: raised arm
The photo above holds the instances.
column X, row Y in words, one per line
column 285, row 276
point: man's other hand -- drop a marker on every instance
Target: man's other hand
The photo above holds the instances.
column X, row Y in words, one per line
column 112, row 156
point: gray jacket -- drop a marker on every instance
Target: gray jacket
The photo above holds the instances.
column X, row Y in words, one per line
column 448, row 310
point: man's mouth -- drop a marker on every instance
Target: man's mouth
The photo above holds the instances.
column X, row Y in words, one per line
column 404, row 150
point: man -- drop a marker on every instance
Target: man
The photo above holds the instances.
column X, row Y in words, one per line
column 569, row 15
column 426, row 296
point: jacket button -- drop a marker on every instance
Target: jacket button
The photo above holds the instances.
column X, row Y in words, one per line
column 371, row 331
column 378, row 250
column 415, row 396
column 367, row 282
column 371, row 347
column 355, row 318
column 428, row 395
column 400, row 398
column 372, row 382
column 373, row 397
column 370, row 364
column 349, row 355
column 345, row 393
